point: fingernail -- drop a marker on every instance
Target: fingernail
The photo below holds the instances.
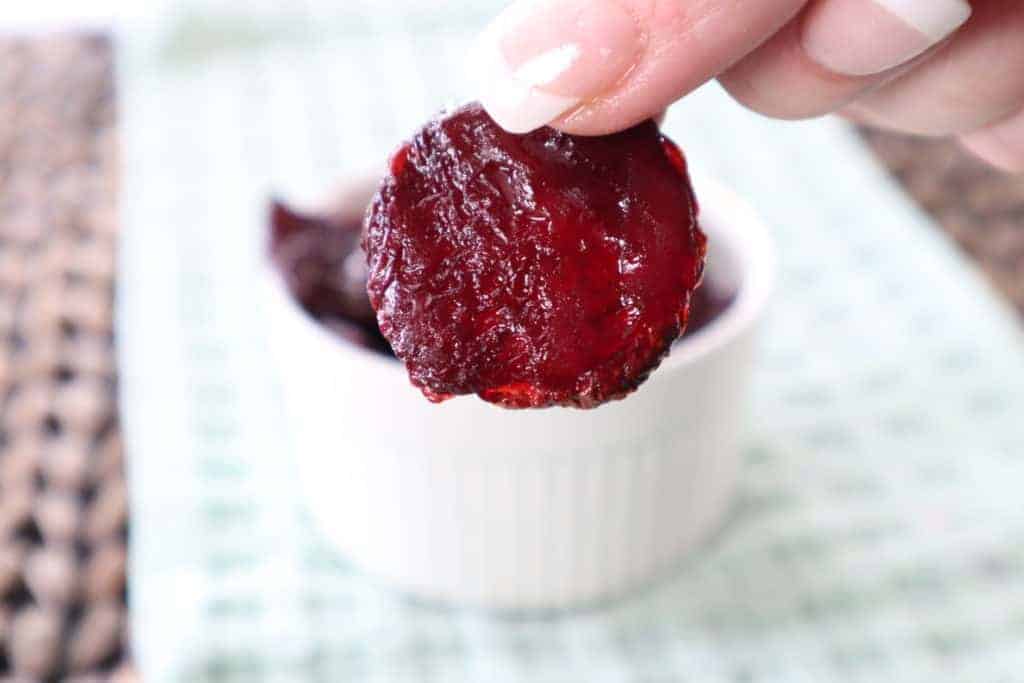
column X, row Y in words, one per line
column 542, row 58
column 862, row 37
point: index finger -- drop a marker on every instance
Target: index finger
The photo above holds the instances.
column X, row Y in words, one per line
column 597, row 66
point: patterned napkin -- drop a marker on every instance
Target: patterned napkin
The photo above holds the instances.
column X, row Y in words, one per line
column 878, row 535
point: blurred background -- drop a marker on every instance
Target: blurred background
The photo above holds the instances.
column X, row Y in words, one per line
column 878, row 535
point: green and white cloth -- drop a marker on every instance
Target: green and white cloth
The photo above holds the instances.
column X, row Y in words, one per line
column 879, row 533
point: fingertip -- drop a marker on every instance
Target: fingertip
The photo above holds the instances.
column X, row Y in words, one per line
column 589, row 121
column 542, row 58
column 591, row 67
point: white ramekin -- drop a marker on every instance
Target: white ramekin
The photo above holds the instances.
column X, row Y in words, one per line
column 470, row 503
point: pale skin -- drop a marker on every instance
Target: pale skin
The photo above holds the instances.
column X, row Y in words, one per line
column 948, row 68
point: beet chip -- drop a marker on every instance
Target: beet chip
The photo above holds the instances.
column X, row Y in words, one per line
column 533, row 270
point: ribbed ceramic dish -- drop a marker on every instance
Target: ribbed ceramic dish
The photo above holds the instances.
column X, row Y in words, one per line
column 473, row 504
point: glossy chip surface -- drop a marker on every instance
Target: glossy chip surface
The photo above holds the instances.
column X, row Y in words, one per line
column 533, row 270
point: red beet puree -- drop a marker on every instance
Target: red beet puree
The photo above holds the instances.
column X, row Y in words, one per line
column 532, row 270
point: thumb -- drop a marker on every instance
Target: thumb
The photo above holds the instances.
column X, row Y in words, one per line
column 597, row 66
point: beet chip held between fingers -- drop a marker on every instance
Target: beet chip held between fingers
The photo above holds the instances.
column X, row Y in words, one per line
column 533, row 270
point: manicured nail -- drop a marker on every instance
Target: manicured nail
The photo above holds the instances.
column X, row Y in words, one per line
column 862, row 37
column 542, row 58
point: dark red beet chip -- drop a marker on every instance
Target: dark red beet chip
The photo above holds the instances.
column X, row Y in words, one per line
column 319, row 258
column 315, row 254
column 324, row 266
column 533, row 270
column 708, row 302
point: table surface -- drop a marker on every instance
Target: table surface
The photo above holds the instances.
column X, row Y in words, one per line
column 62, row 491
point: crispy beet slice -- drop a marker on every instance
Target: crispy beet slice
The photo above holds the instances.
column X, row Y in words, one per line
column 319, row 258
column 533, row 270
column 323, row 264
column 708, row 302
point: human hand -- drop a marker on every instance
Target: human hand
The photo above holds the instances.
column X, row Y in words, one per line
column 930, row 67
